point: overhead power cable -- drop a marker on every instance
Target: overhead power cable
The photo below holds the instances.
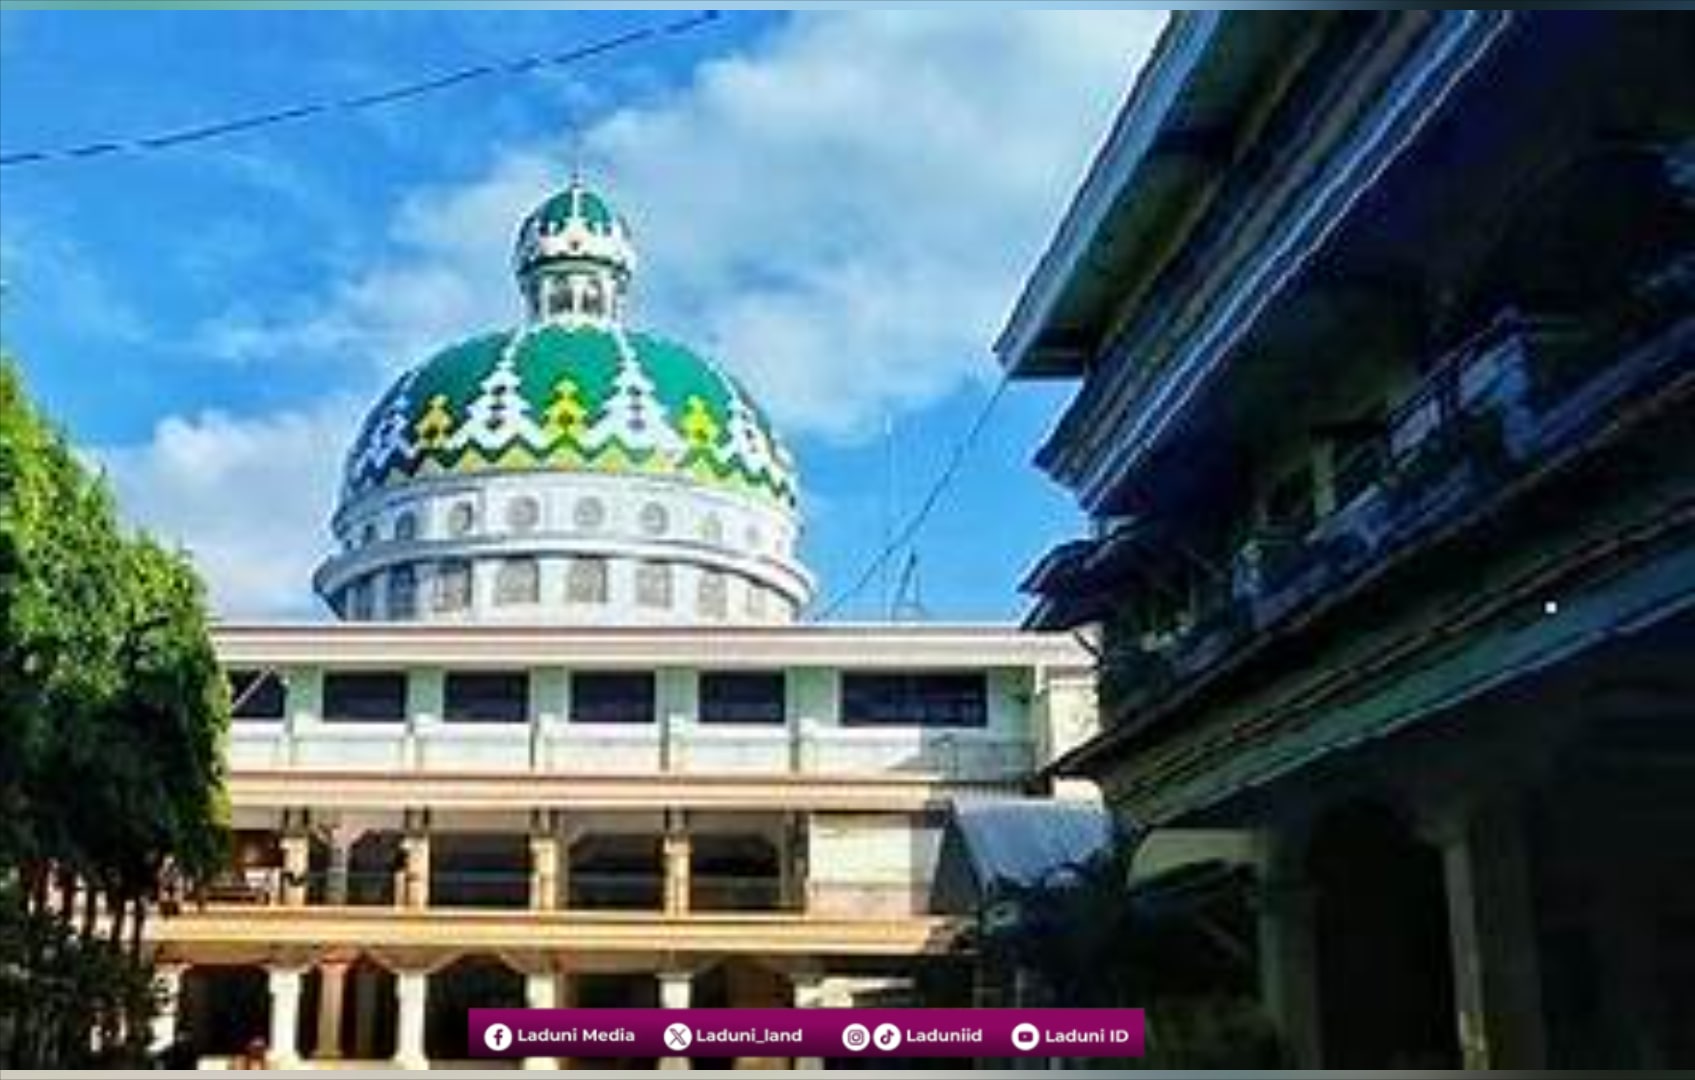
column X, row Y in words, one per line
column 517, row 66
column 915, row 524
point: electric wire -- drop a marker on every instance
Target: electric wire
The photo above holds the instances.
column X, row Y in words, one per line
column 204, row 132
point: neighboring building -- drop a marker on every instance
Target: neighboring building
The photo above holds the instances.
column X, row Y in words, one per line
column 568, row 745
column 1384, row 325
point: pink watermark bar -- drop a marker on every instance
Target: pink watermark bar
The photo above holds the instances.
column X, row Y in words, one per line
column 870, row 1033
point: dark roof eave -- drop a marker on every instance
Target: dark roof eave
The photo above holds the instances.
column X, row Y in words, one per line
column 1086, row 758
column 1025, row 347
column 1172, row 142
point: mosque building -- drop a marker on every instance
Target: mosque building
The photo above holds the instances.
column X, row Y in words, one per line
column 567, row 741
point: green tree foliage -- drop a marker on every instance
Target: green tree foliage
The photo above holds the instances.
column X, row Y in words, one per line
column 112, row 717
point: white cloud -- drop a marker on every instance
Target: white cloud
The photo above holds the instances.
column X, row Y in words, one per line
column 47, row 270
column 842, row 213
column 249, row 499
column 846, row 216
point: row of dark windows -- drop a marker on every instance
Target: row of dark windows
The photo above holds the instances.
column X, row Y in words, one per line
column 923, row 699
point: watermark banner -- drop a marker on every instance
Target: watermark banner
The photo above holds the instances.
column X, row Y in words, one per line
column 517, row 1033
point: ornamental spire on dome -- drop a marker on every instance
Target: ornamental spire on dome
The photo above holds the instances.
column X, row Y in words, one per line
column 574, row 259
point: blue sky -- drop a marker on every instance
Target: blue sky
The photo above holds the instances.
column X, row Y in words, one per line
column 839, row 207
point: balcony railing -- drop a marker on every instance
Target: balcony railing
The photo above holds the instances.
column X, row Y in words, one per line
column 587, row 890
column 739, row 892
column 611, row 890
column 1511, row 399
column 984, row 755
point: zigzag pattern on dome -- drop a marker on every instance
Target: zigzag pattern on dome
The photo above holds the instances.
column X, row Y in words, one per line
column 572, row 398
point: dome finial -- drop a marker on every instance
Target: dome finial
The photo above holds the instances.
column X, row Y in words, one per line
column 574, row 258
column 573, row 139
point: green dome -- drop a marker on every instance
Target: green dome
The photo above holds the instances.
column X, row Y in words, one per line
column 576, row 225
column 583, row 398
column 577, row 201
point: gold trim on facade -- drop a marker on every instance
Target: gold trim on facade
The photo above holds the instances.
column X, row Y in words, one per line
column 234, row 926
column 337, row 789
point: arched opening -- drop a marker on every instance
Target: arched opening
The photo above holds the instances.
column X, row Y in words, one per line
column 372, row 862
column 1385, row 978
column 221, row 1008
column 615, row 990
column 740, row 983
column 370, row 1012
column 347, row 1012
column 471, row 982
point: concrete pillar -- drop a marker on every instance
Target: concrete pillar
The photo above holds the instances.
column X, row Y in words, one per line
column 565, row 990
column 285, row 1016
column 1027, row 991
column 676, row 990
column 544, row 872
column 168, row 978
column 808, row 991
column 426, row 693
column 678, row 850
column 305, row 707
column 791, row 864
column 297, row 863
column 415, row 875
column 332, row 981
column 409, row 990
column 562, row 872
column 677, row 690
column 541, row 991
column 1492, row 934
column 335, row 876
column 1288, row 946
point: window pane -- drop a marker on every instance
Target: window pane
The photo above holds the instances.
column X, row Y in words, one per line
column 403, row 593
column 365, row 696
column 714, row 595
column 461, row 519
column 585, row 581
column 257, row 695
column 453, row 586
column 742, row 697
column 523, row 514
column 501, row 697
column 406, row 526
column 364, row 607
column 929, row 699
column 518, row 581
column 653, row 585
column 612, row 697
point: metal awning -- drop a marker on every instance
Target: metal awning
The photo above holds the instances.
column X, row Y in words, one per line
column 993, row 844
